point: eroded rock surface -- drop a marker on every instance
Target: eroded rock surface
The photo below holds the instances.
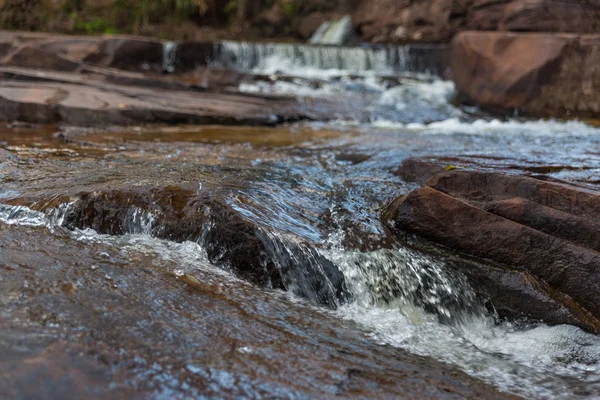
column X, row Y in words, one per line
column 543, row 229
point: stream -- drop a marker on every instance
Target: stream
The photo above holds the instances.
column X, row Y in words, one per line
column 316, row 191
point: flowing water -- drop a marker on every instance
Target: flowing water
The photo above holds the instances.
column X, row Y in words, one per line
column 316, row 191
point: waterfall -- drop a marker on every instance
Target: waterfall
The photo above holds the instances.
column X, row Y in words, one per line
column 276, row 57
column 169, row 56
column 337, row 32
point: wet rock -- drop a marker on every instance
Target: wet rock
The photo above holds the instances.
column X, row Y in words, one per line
column 419, row 170
column 520, row 222
column 147, row 331
column 541, row 74
column 5, row 49
column 230, row 240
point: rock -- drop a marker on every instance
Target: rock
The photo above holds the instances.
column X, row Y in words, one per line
column 551, row 16
column 485, row 15
column 272, row 20
column 418, row 170
column 520, row 222
column 128, row 54
column 91, row 320
column 191, row 55
column 309, row 24
column 102, row 104
column 5, row 155
column 74, row 48
column 540, row 74
column 231, row 241
column 33, row 57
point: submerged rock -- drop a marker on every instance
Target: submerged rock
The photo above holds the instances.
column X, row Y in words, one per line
column 542, row 231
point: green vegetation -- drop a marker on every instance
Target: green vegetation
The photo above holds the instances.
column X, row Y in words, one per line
column 157, row 17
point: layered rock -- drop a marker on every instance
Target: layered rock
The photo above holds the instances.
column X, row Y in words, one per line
column 540, row 74
column 543, row 232
column 231, row 241
column 429, row 20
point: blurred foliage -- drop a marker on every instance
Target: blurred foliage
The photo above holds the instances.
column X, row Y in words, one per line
column 135, row 16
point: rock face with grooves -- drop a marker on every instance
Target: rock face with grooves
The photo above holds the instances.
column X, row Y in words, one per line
column 541, row 74
column 543, row 230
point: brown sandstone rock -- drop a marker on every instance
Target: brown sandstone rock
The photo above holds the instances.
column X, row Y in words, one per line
column 108, row 104
column 544, row 229
column 231, row 240
column 93, row 323
column 541, row 74
column 551, row 16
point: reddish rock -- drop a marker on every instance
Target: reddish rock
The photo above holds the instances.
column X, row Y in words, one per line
column 309, row 24
column 231, row 240
column 541, row 74
column 546, row 229
column 551, row 16
column 418, row 170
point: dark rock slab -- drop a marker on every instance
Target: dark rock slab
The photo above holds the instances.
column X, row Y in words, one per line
column 518, row 222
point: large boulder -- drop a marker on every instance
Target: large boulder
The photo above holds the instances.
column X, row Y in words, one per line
column 540, row 74
column 545, row 230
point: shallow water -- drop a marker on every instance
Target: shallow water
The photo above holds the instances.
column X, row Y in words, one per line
column 326, row 184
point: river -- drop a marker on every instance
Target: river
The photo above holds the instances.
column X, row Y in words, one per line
column 316, row 191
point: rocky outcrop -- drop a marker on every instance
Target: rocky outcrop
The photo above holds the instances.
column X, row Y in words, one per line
column 544, row 232
column 540, row 74
column 231, row 240
column 434, row 20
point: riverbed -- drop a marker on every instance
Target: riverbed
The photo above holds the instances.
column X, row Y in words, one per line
column 190, row 325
